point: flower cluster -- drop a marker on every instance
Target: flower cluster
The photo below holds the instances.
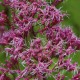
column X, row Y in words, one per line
column 28, row 57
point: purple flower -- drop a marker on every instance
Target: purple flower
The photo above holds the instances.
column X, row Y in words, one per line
column 30, row 55
column 59, row 76
column 3, row 18
column 67, row 65
column 76, row 77
column 4, row 77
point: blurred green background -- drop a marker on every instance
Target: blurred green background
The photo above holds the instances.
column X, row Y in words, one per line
column 72, row 7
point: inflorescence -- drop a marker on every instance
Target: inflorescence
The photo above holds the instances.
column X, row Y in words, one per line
column 29, row 57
